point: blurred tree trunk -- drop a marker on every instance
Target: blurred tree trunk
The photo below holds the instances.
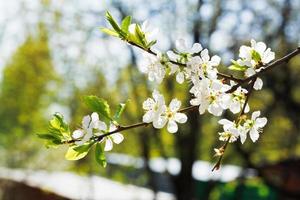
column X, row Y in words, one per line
column 187, row 143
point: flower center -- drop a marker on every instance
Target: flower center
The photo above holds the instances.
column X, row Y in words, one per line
column 169, row 114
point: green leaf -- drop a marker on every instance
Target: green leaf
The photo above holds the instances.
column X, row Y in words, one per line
column 255, row 56
column 140, row 36
column 52, row 140
column 115, row 25
column 109, row 32
column 236, row 66
column 48, row 136
column 58, row 131
column 98, row 105
column 112, row 22
column 78, row 152
column 125, row 23
column 150, row 44
column 119, row 111
column 99, row 155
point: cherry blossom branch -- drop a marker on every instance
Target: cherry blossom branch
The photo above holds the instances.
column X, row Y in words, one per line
column 225, row 76
column 223, row 148
column 124, row 128
column 252, row 78
column 266, row 68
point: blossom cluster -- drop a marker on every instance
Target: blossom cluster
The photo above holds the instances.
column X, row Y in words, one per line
column 92, row 126
column 159, row 114
column 210, row 93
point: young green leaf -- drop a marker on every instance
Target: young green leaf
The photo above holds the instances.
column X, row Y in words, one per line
column 140, row 36
column 52, row 140
column 125, row 24
column 78, row 152
column 109, row 32
column 98, row 105
column 255, row 56
column 236, row 66
column 119, row 111
column 59, row 124
column 150, row 44
column 58, row 131
column 99, row 155
column 115, row 26
column 112, row 22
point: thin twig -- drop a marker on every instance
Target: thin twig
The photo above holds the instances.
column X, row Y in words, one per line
column 218, row 164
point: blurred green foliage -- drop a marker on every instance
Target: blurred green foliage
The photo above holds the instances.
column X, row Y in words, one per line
column 26, row 93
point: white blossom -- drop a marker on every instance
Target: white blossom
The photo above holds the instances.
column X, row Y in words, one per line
column 231, row 130
column 160, row 115
column 183, row 50
column 247, row 54
column 152, row 66
column 236, row 100
column 113, row 138
column 171, row 116
column 254, row 126
column 89, row 124
column 154, row 107
column 209, row 95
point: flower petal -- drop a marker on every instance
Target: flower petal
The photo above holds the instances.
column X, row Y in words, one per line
column 149, row 116
column 235, row 107
column 180, row 118
column 180, row 77
column 260, row 47
column 148, row 104
column 175, row 105
column 112, row 127
column 245, row 52
column 255, row 115
column 117, row 138
column 261, row 122
column 77, row 134
column 258, row 84
column 254, row 135
column 159, row 122
column 243, row 137
column 215, row 109
column 204, row 55
column 172, row 126
column 172, row 55
column 99, row 125
column 196, row 48
column 181, row 45
column 86, row 122
column 95, row 116
column 249, row 72
column 108, row 144
column 247, row 108
column 215, row 60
